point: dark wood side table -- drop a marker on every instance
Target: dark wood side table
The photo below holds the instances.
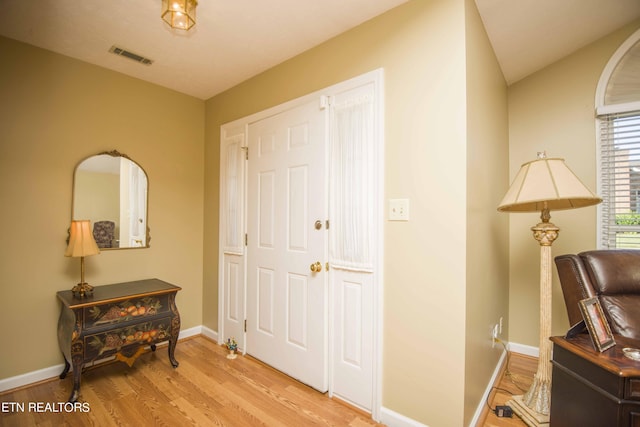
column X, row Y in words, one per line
column 596, row 389
column 119, row 319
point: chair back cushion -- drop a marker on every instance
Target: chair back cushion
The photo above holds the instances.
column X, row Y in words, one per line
column 104, row 233
column 615, row 278
column 575, row 284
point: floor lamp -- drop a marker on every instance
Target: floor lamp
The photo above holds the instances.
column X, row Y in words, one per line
column 543, row 185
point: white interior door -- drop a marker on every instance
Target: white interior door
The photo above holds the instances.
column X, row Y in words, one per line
column 275, row 197
column 232, row 232
column 286, row 301
column 133, row 199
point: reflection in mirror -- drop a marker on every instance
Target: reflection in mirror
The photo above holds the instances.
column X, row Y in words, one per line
column 110, row 190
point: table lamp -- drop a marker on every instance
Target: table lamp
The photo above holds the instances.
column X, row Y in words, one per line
column 81, row 244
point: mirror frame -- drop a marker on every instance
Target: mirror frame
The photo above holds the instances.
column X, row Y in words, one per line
column 115, row 153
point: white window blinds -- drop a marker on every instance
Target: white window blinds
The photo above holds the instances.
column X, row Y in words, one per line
column 620, row 180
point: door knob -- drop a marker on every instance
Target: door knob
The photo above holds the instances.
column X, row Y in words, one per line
column 316, row 267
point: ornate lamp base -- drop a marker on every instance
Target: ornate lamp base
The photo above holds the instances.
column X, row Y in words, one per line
column 82, row 290
column 528, row 415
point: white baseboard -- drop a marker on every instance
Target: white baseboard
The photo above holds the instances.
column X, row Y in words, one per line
column 54, row 371
column 31, row 377
column 394, row 419
column 494, row 380
column 527, row 350
column 191, row 332
column 210, row 333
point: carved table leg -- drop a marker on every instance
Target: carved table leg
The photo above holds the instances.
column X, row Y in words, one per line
column 175, row 331
column 65, row 371
column 78, row 362
column 172, row 349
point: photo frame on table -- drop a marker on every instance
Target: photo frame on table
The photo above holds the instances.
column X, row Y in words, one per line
column 597, row 324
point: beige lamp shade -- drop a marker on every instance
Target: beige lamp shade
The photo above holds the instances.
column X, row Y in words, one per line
column 546, row 184
column 81, row 241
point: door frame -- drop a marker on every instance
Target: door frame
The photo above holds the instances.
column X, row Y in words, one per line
column 236, row 132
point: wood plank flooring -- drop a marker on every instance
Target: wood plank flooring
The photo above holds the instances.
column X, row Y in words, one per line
column 207, row 389
column 515, row 380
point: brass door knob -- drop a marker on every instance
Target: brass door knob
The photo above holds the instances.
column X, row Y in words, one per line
column 316, row 267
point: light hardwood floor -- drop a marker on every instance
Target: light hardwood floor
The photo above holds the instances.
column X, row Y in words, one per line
column 515, row 380
column 207, row 389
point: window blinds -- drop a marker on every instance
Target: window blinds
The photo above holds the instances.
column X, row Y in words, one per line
column 620, row 180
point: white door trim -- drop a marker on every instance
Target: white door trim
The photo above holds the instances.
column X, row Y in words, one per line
column 238, row 129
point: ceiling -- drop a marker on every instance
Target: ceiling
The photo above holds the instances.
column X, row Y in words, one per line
column 235, row 40
column 528, row 35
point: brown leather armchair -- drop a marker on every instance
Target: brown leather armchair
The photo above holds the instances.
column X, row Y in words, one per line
column 611, row 275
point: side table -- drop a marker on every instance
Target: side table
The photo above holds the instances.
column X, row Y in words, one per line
column 596, row 389
column 116, row 320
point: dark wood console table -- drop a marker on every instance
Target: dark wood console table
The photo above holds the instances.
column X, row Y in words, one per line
column 596, row 389
column 117, row 320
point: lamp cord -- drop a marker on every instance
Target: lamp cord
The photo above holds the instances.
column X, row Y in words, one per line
column 508, row 374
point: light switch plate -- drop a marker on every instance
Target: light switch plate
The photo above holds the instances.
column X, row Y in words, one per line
column 398, row 209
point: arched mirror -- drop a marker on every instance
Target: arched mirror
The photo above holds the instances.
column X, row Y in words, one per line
column 110, row 190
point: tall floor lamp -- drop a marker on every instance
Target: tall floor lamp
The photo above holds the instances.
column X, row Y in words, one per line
column 543, row 185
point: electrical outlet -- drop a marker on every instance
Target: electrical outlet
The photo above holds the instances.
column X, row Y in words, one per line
column 398, row 209
column 494, row 334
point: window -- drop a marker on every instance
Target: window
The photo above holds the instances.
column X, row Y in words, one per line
column 618, row 115
column 620, row 180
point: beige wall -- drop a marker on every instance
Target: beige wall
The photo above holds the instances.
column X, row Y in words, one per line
column 445, row 275
column 421, row 47
column 487, row 281
column 55, row 111
column 553, row 110
column 97, row 197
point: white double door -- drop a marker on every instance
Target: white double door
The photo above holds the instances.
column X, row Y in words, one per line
column 287, row 325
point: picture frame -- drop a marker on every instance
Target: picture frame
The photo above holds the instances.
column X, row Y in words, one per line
column 597, row 324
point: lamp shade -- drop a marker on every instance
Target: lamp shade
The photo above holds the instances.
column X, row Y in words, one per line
column 546, row 183
column 81, row 241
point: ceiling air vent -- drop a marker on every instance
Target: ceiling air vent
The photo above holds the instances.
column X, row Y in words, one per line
column 128, row 54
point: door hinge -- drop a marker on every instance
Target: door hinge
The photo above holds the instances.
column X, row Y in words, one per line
column 246, row 239
column 326, row 101
column 245, row 325
column 246, row 152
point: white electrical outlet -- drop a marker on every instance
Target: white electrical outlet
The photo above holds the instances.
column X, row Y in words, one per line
column 494, row 335
column 398, row 209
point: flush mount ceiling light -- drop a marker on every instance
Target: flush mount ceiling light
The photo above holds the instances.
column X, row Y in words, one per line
column 179, row 14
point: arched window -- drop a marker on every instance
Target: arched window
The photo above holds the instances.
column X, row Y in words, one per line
column 618, row 117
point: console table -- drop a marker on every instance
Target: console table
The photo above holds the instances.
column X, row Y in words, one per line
column 117, row 320
column 596, row 389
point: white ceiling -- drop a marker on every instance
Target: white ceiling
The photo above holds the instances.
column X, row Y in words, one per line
column 235, row 40
column 528, row 35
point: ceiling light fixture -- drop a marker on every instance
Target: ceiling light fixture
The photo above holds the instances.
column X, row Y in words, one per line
column 179, row 14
